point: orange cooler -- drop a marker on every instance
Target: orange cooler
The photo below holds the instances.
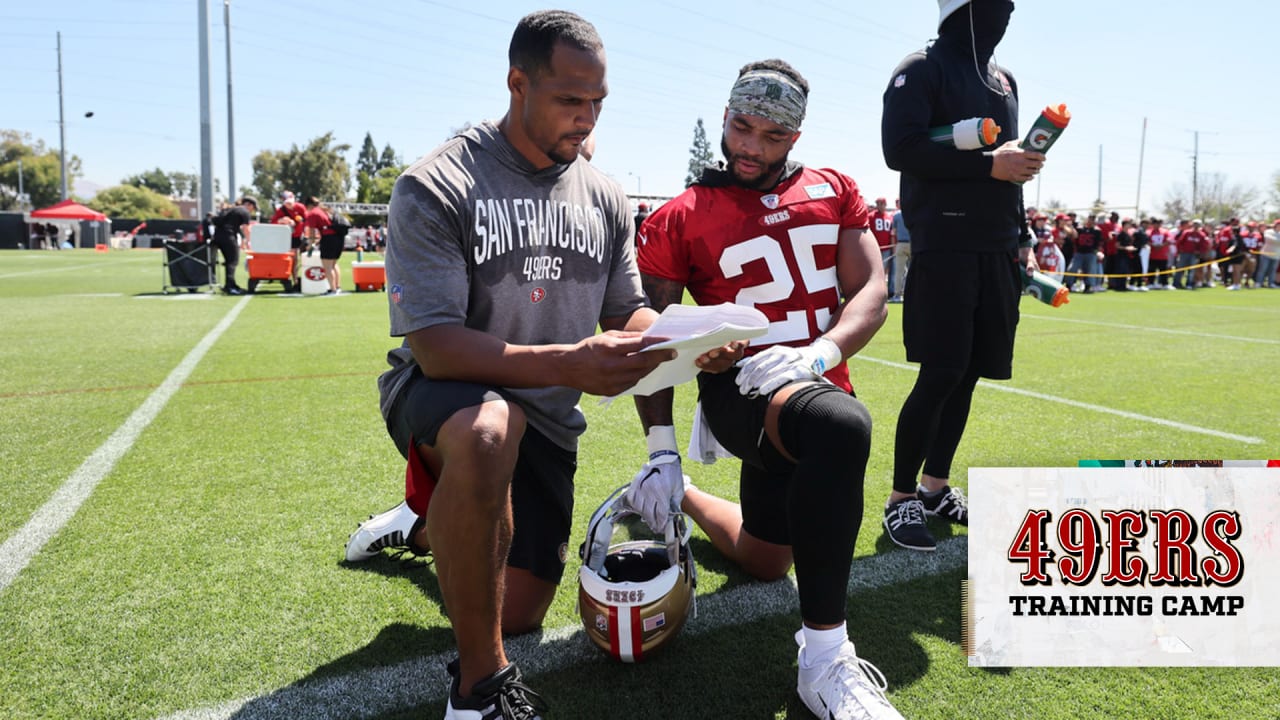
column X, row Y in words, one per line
column 271, row 266
column 371, row 276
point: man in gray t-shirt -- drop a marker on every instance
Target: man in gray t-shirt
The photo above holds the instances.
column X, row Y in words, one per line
column 505, row 251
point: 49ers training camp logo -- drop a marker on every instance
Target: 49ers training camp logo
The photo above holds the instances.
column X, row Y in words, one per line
column 1120, row 566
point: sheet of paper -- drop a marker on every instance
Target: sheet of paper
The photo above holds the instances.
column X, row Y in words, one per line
column 692, row 331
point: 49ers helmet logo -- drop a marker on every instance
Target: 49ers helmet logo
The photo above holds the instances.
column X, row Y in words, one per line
column 537, row 295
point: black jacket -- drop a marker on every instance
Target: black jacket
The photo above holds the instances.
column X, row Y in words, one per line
column 949, row 199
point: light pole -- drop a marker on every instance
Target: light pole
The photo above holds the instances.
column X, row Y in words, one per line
column 639, row 191
column 231, row 120
column 62, row 125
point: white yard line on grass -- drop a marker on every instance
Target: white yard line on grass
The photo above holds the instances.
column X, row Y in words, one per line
column 18, row 550
column 382, row 690
column 71, row 267
column 1148, row 328
column 1088, row 406
column 1242, row 308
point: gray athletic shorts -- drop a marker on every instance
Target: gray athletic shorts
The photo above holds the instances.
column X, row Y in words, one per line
column 541, row 487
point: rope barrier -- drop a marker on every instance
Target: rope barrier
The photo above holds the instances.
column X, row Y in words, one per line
column 1152, row 273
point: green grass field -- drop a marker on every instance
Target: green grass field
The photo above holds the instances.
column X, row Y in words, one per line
column 202, row 577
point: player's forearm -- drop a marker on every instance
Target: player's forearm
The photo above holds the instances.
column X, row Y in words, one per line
column 859, row 319
column 455, row 352
column 661, row 292
column 656, row 409
column 637, row 321
column 864, row 288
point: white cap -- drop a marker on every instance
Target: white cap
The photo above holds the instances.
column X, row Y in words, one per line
column 946, row 7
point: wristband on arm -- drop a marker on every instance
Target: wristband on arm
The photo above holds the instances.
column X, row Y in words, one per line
column 662, row 444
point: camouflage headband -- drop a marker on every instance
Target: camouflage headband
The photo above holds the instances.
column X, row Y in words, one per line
column 771, row 95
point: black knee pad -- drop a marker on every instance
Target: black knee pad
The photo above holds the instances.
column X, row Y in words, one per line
column 822, row 418
column 828, row 431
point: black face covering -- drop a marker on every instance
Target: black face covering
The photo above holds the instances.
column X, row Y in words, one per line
column 990, row 20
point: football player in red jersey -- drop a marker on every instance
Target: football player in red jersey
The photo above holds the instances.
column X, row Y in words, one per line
column 791, row 241
column 882, row 228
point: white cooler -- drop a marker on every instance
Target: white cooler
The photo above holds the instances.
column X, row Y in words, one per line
column 313, row 277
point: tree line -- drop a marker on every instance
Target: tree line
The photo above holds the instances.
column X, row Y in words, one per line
column 318, row 168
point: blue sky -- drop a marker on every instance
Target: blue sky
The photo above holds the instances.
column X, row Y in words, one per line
column 409, row 71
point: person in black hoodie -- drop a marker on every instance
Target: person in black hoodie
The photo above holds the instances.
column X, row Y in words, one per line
column 970, row 244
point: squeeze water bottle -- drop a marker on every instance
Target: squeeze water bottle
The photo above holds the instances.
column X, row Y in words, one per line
column 1047, row 128
column 1046, row 289
column 359, row 252
column 972, row 134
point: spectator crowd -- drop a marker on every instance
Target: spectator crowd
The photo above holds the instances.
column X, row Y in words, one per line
column 1093, row 254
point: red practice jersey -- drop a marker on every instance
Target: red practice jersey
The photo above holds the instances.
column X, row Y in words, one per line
column 773, row 251
column 881, row 224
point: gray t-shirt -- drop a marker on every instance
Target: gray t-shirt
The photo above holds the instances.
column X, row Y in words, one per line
column 480, row 238
column 900, row 225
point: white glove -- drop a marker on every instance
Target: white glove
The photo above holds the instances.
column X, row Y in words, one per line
column 767, row 371
column 656, row 491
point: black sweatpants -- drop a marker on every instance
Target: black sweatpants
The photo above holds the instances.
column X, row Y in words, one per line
column 230, row 249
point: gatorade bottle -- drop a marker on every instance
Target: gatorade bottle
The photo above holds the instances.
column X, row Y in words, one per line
column 1047, row 128
column 1046, row 289
column 972, row 134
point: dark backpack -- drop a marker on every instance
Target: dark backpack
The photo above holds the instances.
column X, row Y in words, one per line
column 339, row 223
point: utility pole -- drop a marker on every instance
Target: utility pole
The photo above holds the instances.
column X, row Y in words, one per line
column 62, row 125
column 206, row 128
column 231, row 117
column 1099, row 173
column 1142, row 151
column 1195, row 172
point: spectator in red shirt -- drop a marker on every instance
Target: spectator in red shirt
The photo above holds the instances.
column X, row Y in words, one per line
column 1251, row 239
column 1188, row 244
column 1109, row 225
column 1225, row 244
column 1050, row 258
column 1064, row 233
column 1039, row 231
column 320, row 232
column 1088, row 252
column 1160, row 241
column 1204, row 274
column 291, row 212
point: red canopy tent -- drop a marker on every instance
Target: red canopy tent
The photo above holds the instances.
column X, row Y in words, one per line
column 67, row 210
column 68, row 215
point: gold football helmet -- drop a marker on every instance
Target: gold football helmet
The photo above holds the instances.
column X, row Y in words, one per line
column 634, row 595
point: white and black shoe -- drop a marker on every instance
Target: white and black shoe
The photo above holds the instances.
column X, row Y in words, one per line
column 904, row 521
column 948, row 503
column 501, row 696
column 848, row 688
column 394, row 528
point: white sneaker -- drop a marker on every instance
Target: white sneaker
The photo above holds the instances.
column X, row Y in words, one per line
column 393, row 528
column 849, row 688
